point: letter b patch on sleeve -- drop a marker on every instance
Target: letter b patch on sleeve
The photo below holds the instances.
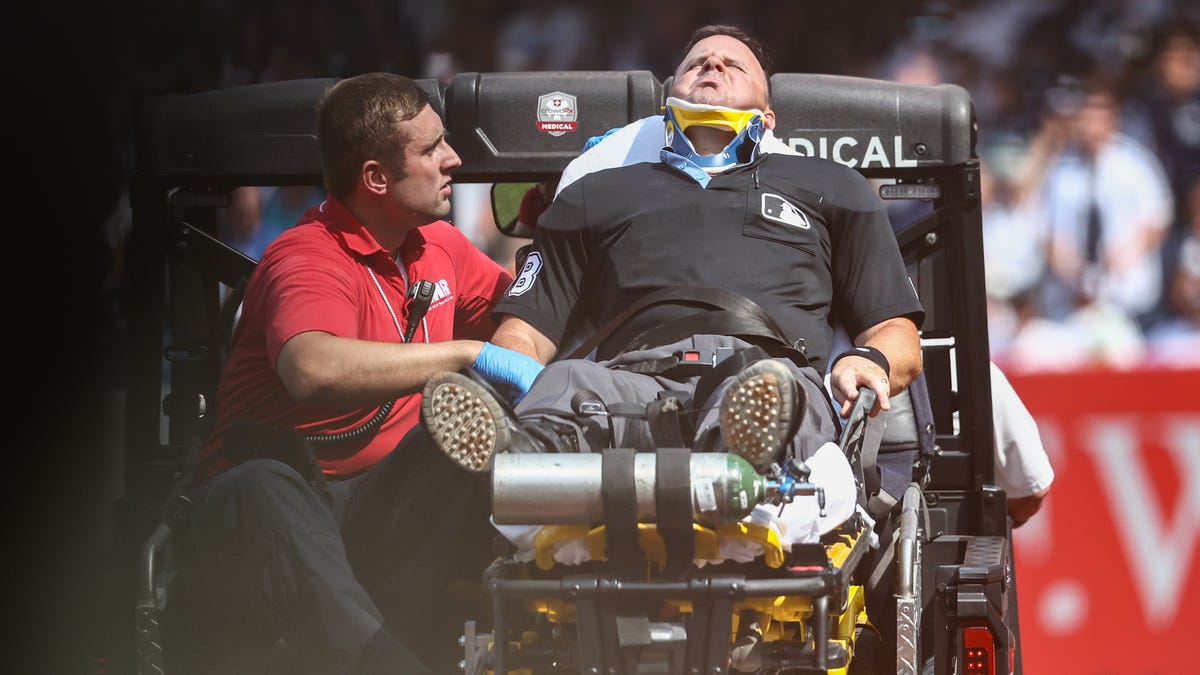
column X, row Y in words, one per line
column 529, row 272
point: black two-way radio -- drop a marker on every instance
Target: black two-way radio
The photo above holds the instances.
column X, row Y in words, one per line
column 420, row 295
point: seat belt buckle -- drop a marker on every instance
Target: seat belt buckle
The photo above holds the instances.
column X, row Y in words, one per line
column 703, row 357
column 699, row 361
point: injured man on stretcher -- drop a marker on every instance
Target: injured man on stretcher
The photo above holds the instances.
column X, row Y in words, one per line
column 714, row 294
column 712, row 278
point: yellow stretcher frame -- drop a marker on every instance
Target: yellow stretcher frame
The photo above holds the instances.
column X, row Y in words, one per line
column 780, row 617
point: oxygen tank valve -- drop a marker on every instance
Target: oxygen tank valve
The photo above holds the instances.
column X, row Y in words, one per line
column 792, row 480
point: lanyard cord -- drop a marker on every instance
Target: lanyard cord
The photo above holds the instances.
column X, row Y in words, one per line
column 386, row 302
column 421, row 306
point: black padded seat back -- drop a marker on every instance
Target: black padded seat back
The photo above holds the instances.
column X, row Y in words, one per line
column 526, row 126
column 257, row 134
column 873, row 124
column 901, row 445
column 901, row 430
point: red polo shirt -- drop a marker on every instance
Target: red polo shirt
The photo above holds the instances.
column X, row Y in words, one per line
column 318, row 276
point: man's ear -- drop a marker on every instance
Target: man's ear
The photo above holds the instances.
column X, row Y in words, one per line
column 374, row 177
column 769, row 118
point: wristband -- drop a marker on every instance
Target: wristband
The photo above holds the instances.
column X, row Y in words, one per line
column 870, row 353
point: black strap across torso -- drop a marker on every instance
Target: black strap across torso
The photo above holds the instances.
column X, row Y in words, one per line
column 723, row 312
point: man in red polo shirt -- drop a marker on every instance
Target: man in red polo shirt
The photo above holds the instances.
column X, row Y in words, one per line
column 314, row 523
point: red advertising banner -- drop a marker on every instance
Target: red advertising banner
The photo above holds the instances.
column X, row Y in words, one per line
column 1108, row 572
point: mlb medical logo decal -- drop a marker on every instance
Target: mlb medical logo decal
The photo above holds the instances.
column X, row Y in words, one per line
column 556, row 113
column 780, row 210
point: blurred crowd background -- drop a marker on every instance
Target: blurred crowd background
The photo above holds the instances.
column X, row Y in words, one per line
column 1089, row 116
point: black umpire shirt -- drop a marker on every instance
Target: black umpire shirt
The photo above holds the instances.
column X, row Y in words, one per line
column 806, row 238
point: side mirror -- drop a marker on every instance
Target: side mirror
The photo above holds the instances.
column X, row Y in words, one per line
column 516, row 206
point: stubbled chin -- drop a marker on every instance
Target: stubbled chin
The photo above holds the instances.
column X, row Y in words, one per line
column 707, row 96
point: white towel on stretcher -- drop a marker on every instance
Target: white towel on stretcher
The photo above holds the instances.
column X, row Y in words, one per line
column 799, row 522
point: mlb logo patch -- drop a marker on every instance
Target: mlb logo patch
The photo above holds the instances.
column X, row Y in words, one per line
column 780, row 210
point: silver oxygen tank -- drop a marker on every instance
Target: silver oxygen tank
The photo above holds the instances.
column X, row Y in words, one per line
column 566, row 489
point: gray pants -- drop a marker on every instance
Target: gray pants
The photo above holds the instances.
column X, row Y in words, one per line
column 551, row 394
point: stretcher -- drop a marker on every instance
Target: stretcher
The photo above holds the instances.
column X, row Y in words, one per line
column 749, row 597
column 927, row 587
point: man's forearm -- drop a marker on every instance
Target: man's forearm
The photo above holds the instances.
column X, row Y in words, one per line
column 322, row 369
column 901, row 344
column 519, row 336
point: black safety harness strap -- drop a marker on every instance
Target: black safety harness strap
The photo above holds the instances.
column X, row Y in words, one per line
column 618, row 491
column 878, row 499
column 923, row 412
column 860, row 440
column 736, row 315
column 735, row 322
column 673, row 503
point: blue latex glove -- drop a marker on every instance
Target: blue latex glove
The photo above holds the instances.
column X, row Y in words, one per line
column 596, row 139
column 506, row 367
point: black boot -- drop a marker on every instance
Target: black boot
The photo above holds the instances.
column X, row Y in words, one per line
column 470, row 422
column 761, row 412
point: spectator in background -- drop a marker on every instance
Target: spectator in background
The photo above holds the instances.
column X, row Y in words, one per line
column 281, row 207
column 239, row 227
column 1012, row 249
column 544, row 35
column 1165, row 115
column 380, row 36
column 1093, row 335
column 1106, row 207
column 1101, row 205
column 258, row 214
column 649, row 44
column 1176, row 341
column 242, row 58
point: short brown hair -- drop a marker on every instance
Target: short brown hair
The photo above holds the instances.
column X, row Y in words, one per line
column 358, row 119
column 756, row 47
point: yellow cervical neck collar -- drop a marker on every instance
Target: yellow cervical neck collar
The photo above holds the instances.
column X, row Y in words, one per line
column 686, row 114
